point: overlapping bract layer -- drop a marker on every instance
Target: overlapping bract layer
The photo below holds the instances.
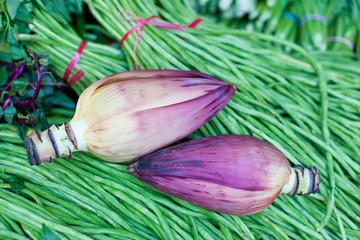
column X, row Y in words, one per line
column 134, row 113
column 233, row 174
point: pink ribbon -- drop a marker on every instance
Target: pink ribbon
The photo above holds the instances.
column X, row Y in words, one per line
column 194, row 23
column 141, row 25
column 79, row 74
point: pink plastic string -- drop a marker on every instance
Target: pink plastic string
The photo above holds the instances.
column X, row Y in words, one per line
column 343, row 40
column 78, row 75
column 141, row 25
column 194, row 23
column 110, row 43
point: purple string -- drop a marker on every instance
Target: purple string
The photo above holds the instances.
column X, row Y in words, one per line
column 343, row 40
column 313, row 16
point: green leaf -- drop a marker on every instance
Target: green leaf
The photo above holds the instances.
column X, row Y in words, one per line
column 11, row 37
column 21, row 131
column 9, row 114
column 20, row 85
column 22, row 27
column 17, row 51
column 23, row 14
column 59, row 8
column 40, row 119
column 13, row 92
column 3, row 76
column 54, row 79
column 44, row 122
column 46, row 90
column 4, row 94
column 12, row 7
column 61, row 99
column 47, row 234
column 29, row 6
column 5, row 57
column 1, row 112
column 44, row 61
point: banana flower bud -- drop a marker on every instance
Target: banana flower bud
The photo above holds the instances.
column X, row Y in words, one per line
column 232, row 174
column 126, row 115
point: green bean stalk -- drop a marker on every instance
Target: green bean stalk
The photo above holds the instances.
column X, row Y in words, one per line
column 91, row 199
column 227, row 9
column 342, row 32
column 313, row 30
column 61, row 42
column 273, row 88
column 287, row 28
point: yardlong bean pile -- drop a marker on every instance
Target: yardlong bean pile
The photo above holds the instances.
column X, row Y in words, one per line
column 86, row 198
column 295, row 101
column 304, row 103
column 61, row 42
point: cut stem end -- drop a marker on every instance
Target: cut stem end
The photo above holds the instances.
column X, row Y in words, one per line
column 57, row 141
column 302, row 181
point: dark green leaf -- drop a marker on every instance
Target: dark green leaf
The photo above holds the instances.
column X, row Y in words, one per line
column 22, row 27
column 46, row 89
column 23, row 91
column 13, row 92
column 43, row 121
column 61, row 99
column 3, row 96
column 76, row 6
column 3, row 76
column 20, row 85
column 1, row 112
column 9, row 114
column 47, row 234
column 5, row 57
column 53, row 79
column 23, row 14
column 12, row 7
column 4, row 25
column 44, row 61
column 21, row 131
column 58, row 7
column 29, row 6
column 11, row 36
column 17, row 51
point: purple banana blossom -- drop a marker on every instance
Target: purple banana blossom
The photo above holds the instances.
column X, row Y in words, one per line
column 233, row 174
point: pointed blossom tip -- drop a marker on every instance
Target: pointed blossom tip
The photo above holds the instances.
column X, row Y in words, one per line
column 132, row 169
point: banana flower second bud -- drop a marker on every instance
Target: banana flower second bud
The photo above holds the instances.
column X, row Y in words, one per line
column 127, row 115
column 232, row 174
